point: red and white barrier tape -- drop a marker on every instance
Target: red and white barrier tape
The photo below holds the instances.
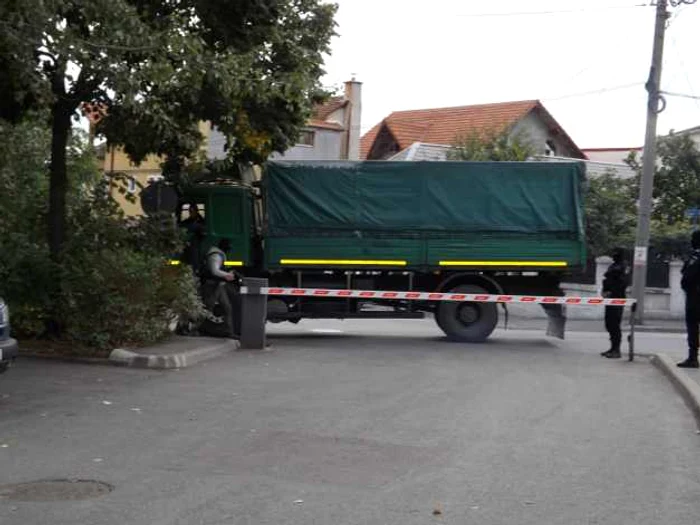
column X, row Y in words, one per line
column 456, row 297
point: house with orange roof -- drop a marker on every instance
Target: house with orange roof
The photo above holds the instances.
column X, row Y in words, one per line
column 332, row 132
column 428, row 134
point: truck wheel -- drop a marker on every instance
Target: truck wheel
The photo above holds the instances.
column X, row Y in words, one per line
column 467, row 322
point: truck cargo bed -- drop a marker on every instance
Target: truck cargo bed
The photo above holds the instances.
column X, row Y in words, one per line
column 422, row 215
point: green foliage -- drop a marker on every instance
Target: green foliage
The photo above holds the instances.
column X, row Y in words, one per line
column 610, row 213
column 156, row 68
column 676, row 180
column 670, row 242
column 491, row 146
column 676, row 188
column 116, row 287
column 139, row 295
column 23, row 163
column 159, row 67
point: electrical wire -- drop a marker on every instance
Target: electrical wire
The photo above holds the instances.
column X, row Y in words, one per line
column 549, row 12
column 681, row 95
column 594, row 92
column 692, row 95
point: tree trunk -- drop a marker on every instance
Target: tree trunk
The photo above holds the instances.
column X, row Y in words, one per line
column 58, row 179
column 56, row 227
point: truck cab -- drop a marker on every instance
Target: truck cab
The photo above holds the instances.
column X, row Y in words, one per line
column 228, row 210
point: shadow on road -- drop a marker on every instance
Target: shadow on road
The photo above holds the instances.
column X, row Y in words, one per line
column 350, row 342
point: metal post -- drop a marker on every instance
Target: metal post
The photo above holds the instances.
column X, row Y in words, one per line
column 646, row 189
column 630, row 338
column 253, row 314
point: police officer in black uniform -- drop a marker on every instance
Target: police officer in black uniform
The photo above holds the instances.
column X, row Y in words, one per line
column 615, row 285
column 690, row 282
column 195, row 227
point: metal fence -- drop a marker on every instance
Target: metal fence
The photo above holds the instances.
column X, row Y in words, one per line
column 657, row 273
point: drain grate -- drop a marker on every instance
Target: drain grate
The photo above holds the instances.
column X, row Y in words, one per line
column 55, row 490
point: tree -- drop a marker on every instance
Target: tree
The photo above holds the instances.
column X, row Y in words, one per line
column 610, row 213
column 114, row 269
column 158, row 67
column 491, row 146
column 677, row 178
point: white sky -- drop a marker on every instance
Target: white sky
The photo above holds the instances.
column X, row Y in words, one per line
column 413, row 54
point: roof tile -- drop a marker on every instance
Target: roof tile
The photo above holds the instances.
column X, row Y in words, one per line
column 444, row 125
column 324, row 110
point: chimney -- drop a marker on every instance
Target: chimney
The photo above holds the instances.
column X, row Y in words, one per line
column 353, row 93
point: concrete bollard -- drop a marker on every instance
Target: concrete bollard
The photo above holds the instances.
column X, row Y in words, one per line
column 253, row 314
column 677, row 301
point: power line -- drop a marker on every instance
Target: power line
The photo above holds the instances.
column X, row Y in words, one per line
column 595, row 91
column 675, row 46
column 549, row 12
column 681, row 95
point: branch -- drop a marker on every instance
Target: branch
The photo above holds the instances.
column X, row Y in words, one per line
column 46, row 54
column 114, row 47
column 87, row 43
column 85, row 85
column 58, row 79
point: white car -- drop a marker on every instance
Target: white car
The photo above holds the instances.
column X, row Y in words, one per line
column 8, row 346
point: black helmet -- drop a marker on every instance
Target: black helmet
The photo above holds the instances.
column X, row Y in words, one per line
column 695, row 239
column 617, row 254
column 224, row 245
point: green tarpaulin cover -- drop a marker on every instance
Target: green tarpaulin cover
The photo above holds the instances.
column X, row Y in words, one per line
column 336, row 198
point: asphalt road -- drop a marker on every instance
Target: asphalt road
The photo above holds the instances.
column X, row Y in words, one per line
column 349, row 423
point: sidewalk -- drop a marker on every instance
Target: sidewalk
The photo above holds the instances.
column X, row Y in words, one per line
column 594, row 325
column 176, row 352
column 663, row 343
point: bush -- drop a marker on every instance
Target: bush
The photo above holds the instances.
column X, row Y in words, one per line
column 113, row 286
column 115, row 298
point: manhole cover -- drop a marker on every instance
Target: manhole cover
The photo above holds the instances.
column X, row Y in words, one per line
column 55, row 490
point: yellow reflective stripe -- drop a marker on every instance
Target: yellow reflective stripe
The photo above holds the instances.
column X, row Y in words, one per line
column 538, row 264
column 344, row 262
column 175, row 262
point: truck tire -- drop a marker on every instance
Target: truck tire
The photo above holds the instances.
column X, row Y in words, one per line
column 467, row 322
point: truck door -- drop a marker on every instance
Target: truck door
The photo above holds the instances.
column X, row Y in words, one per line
column 230, row 216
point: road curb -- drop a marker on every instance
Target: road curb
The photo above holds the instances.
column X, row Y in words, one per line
column 686, row 387
column 183, row 359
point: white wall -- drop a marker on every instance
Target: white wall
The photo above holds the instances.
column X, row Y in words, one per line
column 695, row 135
column 215, row 148
column 536, row 131
column 611, row 156
column 328, row 145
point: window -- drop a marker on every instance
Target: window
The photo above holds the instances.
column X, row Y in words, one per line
column 306, row 138
column 186, row 213
column 550, row 149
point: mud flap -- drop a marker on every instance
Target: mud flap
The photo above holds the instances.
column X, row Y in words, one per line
column 556, row 315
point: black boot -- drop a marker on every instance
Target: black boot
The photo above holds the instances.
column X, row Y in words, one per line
column 613, row 353
column 691, row 362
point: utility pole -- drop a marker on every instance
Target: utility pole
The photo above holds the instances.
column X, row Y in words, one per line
column 653, row 87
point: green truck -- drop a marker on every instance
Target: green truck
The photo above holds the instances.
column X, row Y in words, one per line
column 462, row 227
